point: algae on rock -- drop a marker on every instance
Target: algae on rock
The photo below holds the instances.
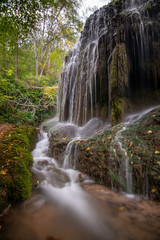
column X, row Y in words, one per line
column 118, row 82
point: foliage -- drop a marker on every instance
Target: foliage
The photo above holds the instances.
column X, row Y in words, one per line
column 21, row 103
column 15, row 160
column 32, row 30
column 34, row 39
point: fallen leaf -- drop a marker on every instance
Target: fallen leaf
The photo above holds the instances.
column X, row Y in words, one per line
column 109, row 137
column 131, row 143
column 153, row 190
column 100, row 166
column 156, row 152
column 3, row 172
column 155, row 147
column 149, row 132
column 121, row 208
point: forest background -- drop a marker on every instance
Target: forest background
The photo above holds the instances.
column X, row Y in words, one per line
column 35, row 37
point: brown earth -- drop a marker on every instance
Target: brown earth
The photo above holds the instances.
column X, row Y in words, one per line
column 122, row 218
column 131, row 218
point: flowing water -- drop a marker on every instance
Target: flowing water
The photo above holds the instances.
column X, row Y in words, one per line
column 59, row 207
column 120, row 152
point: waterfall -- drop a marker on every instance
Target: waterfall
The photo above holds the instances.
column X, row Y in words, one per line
column 78, row 88
column 113, row 61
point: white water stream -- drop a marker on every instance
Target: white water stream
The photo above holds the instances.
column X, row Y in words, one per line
column 125, row 170
column 61, row 184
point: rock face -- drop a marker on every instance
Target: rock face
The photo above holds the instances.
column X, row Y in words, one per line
column 115, row 65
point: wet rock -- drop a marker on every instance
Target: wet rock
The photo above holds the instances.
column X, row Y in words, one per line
column 115, row 66
column 42, row 163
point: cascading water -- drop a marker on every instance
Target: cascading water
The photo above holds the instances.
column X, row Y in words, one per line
column 119, row 152
column 125, row 171
column 61, row 184
column 112, row 63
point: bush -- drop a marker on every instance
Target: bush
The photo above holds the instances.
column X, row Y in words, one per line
column 21, row 103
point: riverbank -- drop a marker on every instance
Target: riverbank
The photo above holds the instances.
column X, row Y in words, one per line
column 117, row 216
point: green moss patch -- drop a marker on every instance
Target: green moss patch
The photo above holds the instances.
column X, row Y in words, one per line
column 15, row 160
column 103, row 160
column 93, row 156
column 142, row 141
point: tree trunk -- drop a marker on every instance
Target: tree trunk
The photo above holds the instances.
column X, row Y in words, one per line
column 36, row 56
column 17, row 69
column 42, row 41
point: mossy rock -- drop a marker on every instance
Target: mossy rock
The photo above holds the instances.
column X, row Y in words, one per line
column 117, row 111
column 15, row 162
column 141, row 141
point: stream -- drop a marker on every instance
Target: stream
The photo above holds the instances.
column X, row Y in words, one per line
column 63, row 208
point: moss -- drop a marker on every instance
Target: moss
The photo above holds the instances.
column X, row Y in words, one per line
column 118, row 82
column 148, row 6
column 116, row 2
column 117, row 111
column 104, row 112
column 15, row 161
column 144, row 154
column 93, row 156
column 101, row 157
column 119, row 71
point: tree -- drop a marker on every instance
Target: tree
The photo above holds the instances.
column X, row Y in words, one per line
column 46, row 25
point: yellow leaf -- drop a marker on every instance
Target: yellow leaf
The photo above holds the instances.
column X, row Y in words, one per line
column 109, row 137
column 158, row 162
column 121, row 208
column 156, row 152
column 88, row 149
column 149, row 132
column 3, row 172
column 153, row 115
column 37, row 182
column 153, row 190
column 131, row 162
